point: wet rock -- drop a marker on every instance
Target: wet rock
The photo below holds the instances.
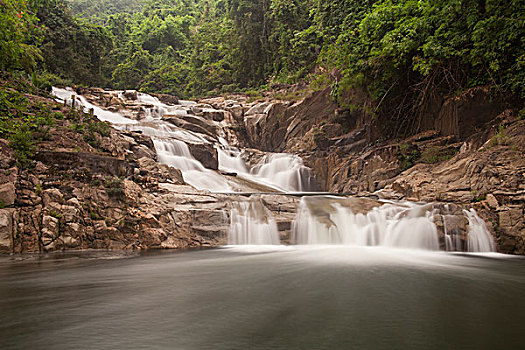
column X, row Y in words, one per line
column 181, row 123
column 202, row 122
column 206, row 154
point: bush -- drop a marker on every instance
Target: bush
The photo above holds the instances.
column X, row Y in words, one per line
column 114, row 187
column 435, row 155
column 22, row 143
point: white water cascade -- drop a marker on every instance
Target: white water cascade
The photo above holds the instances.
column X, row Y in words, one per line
column 176, row 153
column 102, row 114
column 252, row 223
column 479, row 238
column 330, row 220
column 324, row 220
column 319, row 219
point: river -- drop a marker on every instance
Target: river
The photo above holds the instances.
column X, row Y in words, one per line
column 295, row 297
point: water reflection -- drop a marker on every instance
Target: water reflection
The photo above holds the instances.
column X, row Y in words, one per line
column 240, row 298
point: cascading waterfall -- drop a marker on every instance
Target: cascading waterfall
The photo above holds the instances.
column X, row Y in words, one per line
column 319, row 219
column 102, row 114
column 322, row 220
column 280, row 171
column 177, row 154
column 479, row 238
column 252, row 223
column 287, row 171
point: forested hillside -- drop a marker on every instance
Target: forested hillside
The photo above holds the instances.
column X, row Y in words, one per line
column 399, row 53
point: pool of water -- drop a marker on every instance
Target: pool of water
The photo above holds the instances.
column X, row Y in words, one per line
column 315, row 297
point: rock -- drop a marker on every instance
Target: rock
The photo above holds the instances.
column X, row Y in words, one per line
column 50, row 230
column 162, row 172
column 141, row 151
column 492, row 201
column 213, row 114
column 7, row 194
column 206, row 154
column 88, row 162
column 7, row 156
column 52, row 195
column 69, row 213
column 130, row 94
column 181, row 123
column 237, row 112
column 260, row 108
column 132, row 191
column 167, row 99
column 200, row 121
column 6, row 230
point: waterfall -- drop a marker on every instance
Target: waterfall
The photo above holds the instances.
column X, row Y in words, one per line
column 252, row 223
column 176, row 153
column 319, row 219
column 102, row 114
column 230, row 160
column 285, row 171
column 479, row 237
column 324, row 220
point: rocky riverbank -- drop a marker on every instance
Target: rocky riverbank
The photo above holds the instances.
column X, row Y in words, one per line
column 104, row 189
column 470, row 152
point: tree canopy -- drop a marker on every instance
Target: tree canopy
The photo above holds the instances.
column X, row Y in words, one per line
column 398, row 50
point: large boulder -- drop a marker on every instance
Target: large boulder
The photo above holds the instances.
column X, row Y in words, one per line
column 206, row 154
column 183, row 124
column 213, row 114
column 7, row 157
column 6, row 230
column 167, row 99
column 162, row 172
column 7, row 194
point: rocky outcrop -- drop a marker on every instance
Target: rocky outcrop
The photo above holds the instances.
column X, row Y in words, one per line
column 87, row 162
column 485, row 170
column 7, row 195
column 206, row 154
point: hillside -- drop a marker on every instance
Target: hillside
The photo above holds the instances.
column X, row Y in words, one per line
column 407, row 100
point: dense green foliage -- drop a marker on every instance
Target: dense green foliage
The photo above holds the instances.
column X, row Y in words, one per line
column 401, row 53
column 99, row 10
column 18, row 35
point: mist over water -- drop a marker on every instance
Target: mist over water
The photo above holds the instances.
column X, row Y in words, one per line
column 264, row 297
column 364, row 275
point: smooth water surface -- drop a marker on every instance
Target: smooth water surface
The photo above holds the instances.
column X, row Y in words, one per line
column 335, row 297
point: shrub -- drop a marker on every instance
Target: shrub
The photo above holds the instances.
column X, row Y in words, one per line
column 114, row 187
column 435, row 155
column 22, row 143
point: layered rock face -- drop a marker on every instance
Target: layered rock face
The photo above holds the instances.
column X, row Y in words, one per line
column 119, row 196
column 470, row 153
